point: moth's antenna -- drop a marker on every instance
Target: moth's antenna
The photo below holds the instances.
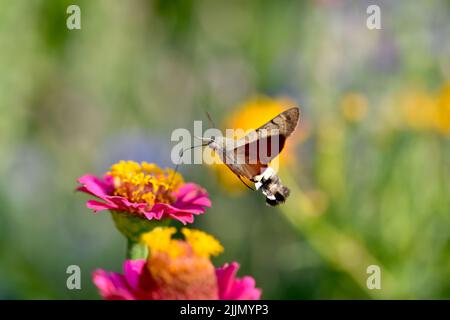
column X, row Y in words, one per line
column 190, row 148
column 211, row 122
column 181, row 155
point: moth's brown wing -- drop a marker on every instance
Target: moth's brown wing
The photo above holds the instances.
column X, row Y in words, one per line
column 285, row 122
column 262, row 145
column 239, row 171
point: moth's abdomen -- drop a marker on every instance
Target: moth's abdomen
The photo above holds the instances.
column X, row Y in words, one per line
column 270, row 185
column 276, row 194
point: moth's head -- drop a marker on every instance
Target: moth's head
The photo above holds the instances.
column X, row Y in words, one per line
column 213, row 144
column 210, row 142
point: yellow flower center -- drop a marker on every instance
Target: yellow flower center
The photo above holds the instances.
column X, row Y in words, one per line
column 145, row 182
column 203, row 244
column 159, row 240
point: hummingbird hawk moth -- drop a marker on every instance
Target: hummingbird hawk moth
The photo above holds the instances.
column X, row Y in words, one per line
column 249, row 157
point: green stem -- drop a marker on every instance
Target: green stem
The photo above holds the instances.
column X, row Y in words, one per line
column 132, row 228
column 135, row 250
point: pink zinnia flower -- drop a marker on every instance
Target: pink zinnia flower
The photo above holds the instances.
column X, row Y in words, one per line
column 146, row 191
column 176, row 269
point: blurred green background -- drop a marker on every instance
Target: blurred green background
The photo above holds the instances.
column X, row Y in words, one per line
column 370, row 181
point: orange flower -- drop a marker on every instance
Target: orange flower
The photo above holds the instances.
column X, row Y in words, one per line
column 177, row 269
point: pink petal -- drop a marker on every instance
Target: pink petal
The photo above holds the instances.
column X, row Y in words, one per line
column 112, row 286
column 183, row 215
column 94, row 186
column 231, row 288
column 99, row 206
column 225, row 276
column 184, row 218
column 191, row 193
column 132, row 271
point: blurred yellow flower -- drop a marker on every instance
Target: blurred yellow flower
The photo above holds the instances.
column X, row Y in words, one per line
column 354, row 107
column 424, row 111
column 418, row 110
column 443, row 110
column 251, row 115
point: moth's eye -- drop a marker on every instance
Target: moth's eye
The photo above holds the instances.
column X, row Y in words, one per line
column 213, row 138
